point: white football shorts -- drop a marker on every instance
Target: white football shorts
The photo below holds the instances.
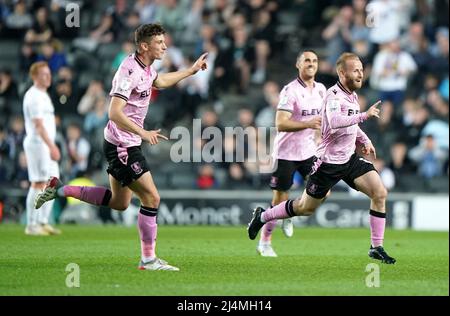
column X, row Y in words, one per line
column 40, row 165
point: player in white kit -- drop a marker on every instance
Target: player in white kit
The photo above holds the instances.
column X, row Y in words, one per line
column 39, row 146
column 298, row 121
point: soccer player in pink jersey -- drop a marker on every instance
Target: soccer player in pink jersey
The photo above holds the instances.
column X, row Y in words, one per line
column 297, row 121
column 127, row 168
column 337, row 159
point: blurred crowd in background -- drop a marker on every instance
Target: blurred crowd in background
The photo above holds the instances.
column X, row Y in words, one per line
column 252, row 46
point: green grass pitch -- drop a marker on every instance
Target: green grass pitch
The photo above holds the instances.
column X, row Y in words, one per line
column 221, row 261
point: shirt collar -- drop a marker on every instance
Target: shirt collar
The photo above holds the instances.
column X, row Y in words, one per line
column 341, row 86
column 140, row 63
column 303, row 84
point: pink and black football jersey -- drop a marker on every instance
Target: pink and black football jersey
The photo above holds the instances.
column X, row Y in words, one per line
column 133, row 83
column 340, row 131
column 304, row 106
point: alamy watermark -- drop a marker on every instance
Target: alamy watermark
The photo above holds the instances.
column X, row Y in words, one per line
column 72, row 15
column 373, row 278
column 373, row 16
column 73, row 278
column 230, row 144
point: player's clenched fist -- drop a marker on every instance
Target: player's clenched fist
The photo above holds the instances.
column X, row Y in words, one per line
column 315, row 123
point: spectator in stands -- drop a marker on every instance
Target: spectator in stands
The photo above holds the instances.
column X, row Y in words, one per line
column 223, row 75
column 400, row 163
column 51, row 52
column 391, row 69
column 16, row 135
column 105, row 32
column 131, row 22
column 439, row 130
column 19, row 20
column 412, row 41
column 237, row 179
column 6, row 164
column 96, row 119
column 42, row 30
column 193, row 23
column 26, row 58
column 207, row 34
column 59, row 15
column 210, row 119
column 79, row 149
column 65, row 99
column 221, row 13
column 195, row 89
column 206, row 178
column 127, row 49
column 9, row 96
column 383, row 132
column 242, row 53
column 443, row 88
column 429, row 157
column 246, row 137
column 3, row 171
column 264, row 36
column 146, row 10
column 439, row 62
column 338, row 34
column 171, row 14
column 94, row 91
column 384, row 20
column 4, row 13
column 412, row 134
column 438, row 105
column 65, row 73
column 360, row 37
column 20, row 177
column 265, row 116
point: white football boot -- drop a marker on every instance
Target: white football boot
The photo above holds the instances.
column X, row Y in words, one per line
column 266, row 250
column 288, row 227
column 157, row 264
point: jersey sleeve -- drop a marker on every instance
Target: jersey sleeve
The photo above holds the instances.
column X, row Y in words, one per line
column 287, row 101
column 361, row 137
column 33, row 106
column 123, row 83
column 338, row 120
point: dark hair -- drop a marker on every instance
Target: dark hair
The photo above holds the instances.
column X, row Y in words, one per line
column 146, row 31
column 306, row 51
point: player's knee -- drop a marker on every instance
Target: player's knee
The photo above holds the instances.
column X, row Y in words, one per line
column 119, row 205
column 151, row 199
column 155, row 200
column 380, row 194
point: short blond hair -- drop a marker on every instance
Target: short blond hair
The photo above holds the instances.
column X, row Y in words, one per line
column 34, row 68
column 342, row 60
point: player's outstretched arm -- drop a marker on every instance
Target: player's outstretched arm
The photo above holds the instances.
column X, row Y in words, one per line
column 172, row 78
column 337, row 119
